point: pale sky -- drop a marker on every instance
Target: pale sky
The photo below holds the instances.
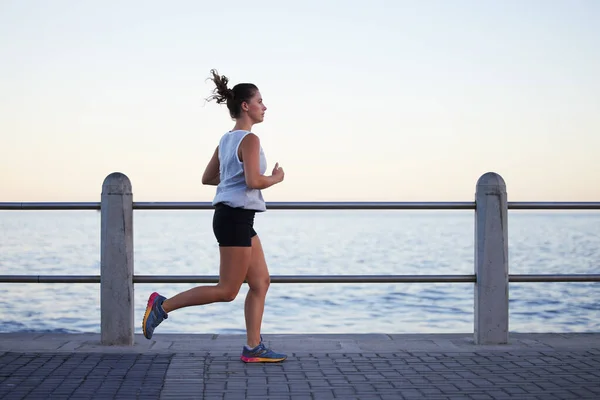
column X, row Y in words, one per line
column 367, row 100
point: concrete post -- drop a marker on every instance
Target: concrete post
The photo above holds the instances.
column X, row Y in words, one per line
column 491, row 260
column 116, row 261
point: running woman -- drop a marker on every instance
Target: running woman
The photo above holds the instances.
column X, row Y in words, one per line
column 237, row 168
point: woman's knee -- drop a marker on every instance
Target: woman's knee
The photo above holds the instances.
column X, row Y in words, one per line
column 227, row 293
column 260, row 285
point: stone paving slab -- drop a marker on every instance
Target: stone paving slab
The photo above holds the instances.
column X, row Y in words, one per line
column 330, row 343
column 378, row 366
column 403, row 375
column 80, row 375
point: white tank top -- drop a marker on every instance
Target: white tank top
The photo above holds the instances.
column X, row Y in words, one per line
column 232, row 190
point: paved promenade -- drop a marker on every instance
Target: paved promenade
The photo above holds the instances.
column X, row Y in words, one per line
column 372, row 366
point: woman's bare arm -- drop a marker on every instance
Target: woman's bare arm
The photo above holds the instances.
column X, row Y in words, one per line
column 211, row 174
column 250, row 152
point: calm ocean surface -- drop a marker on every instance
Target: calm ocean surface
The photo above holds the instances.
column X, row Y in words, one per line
column 308, row 242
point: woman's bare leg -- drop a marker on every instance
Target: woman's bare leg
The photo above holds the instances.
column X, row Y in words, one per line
column 235, row 262
column 258, row 281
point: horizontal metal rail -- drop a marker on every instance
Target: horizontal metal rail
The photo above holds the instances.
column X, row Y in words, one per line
column 302, row 278
column 548, row 205
column 312, row 205
column 467, row 205
column 50, row 206
column 317, row 278
column 554, row 278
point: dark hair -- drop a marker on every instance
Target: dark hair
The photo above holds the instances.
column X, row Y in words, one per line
column 242, row 92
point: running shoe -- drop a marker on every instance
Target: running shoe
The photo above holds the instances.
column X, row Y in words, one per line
column 154, row 314
column 261, row 354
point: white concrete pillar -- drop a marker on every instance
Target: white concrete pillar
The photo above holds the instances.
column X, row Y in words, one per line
column 491, row 260
column 116, row 261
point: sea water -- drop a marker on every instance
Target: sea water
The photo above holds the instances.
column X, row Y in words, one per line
column 311, row 242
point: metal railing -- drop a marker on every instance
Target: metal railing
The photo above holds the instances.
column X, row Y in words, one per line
column 314, row 205
column 305, row 206
column 305, row 278
column 491, row 263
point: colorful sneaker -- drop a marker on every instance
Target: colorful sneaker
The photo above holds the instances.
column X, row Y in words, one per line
column 261, row 354
column 154, row 314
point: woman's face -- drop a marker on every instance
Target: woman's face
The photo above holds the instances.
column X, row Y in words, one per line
column 256, row 108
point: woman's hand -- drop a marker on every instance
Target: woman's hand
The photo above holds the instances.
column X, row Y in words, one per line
column 278, row 173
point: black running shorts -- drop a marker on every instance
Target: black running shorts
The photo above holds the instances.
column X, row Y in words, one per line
column 233, row 226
